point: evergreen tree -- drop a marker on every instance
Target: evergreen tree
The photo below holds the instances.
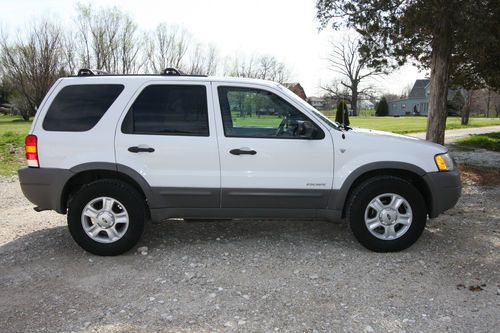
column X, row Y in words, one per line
column 342, row 115
column 382, row 108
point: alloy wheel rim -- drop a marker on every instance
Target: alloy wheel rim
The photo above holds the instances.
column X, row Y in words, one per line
column 388, row 216
column 105, row 220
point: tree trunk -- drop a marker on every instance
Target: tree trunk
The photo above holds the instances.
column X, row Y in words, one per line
column 354, row 99
column 466, row 109
column 440, row 63
column 488, row 102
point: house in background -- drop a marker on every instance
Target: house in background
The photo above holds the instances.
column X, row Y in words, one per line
column 318, row 103
column 297, row 89
column 417, row 102
column 365, row 104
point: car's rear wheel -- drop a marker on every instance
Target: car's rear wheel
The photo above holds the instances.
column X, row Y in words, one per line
column 386, row 214
column 106, row 217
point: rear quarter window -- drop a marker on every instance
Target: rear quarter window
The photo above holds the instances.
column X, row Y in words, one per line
column 78, row 108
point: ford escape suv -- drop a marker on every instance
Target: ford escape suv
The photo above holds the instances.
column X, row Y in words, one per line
column 112, row 151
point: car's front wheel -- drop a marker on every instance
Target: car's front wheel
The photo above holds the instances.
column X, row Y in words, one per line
column 386, row 214
column 106, row 217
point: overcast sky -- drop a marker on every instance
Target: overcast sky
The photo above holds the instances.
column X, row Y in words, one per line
column 286, row 29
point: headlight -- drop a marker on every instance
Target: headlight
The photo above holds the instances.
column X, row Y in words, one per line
column 444, row 162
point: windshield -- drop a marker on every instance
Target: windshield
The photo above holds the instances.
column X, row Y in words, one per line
column 296, row 98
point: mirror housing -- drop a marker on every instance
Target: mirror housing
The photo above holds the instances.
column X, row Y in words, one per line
column 306, row 129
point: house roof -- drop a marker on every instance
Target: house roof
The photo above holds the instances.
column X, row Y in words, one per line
column 316, row 99
column 418, row 90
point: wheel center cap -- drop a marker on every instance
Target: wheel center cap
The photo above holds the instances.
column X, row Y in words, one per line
column 388, row 216
column 105, row 219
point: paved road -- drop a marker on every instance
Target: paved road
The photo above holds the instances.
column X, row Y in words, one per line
column 453, row 135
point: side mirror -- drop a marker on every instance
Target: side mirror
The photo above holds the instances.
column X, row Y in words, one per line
column 305, row 129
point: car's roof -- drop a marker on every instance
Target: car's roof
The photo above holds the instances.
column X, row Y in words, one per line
column 170, row 78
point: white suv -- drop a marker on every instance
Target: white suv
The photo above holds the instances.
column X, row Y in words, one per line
column 112, row 151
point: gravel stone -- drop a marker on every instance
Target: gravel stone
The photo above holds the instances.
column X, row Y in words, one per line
column 311, row 275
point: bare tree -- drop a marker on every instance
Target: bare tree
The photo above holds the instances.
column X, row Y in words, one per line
column 345, row 60
column 405, row 92
column 32, row 64
column 108, row 40
column 167, row 47
column 203, row 60
column 260, row 67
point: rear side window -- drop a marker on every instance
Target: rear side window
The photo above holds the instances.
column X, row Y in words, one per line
column 78, row 108
column 169, row 110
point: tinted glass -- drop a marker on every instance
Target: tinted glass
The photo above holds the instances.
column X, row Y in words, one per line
column 169, row 110
column 260, row 114
column 78, row 108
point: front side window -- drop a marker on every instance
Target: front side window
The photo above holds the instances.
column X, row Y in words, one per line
column 169, row 110
column 78, row 108
column 258, row 113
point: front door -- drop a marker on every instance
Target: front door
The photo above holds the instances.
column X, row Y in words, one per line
column 266, row 162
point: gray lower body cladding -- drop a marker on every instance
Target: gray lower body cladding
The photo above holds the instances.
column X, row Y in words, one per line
column 44, row 187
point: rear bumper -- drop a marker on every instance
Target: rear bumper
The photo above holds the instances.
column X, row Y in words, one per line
column 445, row 189
column 44, row 186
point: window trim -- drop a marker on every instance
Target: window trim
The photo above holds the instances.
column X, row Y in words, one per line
column 169, row 84
column 321, row 135
column 81, row 85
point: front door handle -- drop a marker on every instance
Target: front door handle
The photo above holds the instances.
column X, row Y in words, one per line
column 244, row 151
column 136, row 149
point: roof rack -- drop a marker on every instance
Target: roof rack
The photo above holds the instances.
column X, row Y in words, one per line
column 167, row 72
column 172, row 71
column 91, row 72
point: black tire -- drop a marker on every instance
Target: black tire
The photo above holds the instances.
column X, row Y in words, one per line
column 131, row 200
column 369, row 190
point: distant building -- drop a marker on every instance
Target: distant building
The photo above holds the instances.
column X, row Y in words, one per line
column 296, row 88
column 417, row 102
column 317, row 102
column 365, row 104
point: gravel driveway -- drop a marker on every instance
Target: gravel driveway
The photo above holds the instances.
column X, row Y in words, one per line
column 248, row 275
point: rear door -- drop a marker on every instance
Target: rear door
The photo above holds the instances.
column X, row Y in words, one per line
column 167, row 134
column 265, row 163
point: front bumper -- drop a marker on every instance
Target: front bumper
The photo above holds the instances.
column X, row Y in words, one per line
column 44, row 186
column 445, row 188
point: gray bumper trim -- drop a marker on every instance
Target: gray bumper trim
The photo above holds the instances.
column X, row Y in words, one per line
column 445, row 189
column 43, row 186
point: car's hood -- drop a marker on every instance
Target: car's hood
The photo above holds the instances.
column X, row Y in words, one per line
column 397, row 138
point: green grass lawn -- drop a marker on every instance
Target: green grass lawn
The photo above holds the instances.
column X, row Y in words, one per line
column 12, row 133
column 404, row 125
column 490, row 141
column 14, row 129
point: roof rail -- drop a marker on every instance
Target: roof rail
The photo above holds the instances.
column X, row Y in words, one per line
column 171, row 71
column 91, row 72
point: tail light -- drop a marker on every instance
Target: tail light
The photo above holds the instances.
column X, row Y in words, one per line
column 30, row 145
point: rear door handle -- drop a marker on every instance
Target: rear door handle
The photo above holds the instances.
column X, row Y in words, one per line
column 244, row 151
column 136, row 149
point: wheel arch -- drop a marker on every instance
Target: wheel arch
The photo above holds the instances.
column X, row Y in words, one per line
column 88, row 172
column 409, row 172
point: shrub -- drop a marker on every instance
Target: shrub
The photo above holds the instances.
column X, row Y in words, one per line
column 342, row 115
column 382, row 108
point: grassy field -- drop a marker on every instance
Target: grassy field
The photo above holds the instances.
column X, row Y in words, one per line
column 404, row 125
column 490, row 141
column 14, row 129
column 12, row 133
